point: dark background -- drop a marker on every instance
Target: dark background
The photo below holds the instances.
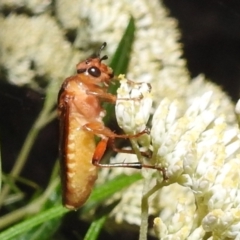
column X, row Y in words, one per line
column 211, row 37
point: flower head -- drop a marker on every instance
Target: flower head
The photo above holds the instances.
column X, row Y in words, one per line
column 133, row 98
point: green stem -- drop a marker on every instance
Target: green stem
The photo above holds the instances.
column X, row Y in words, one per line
column 44, row 118
column 31, row 208
column 145, row 207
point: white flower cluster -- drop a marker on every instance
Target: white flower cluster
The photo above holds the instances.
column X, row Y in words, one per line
column 32, row 44
column 201, row 153
column 33, row 6
column 29, row 52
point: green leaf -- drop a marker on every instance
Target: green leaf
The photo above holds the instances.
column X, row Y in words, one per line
column 119, row 64
column 104, row 191
column 101, row 216
column 95, row 228
column 122, row 55
column 99, row 194
column 44, row 231
column 29, row 223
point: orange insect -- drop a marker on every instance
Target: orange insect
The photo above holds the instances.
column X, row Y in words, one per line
column 80, row 115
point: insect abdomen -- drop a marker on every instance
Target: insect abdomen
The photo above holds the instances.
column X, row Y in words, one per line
column 80, row 174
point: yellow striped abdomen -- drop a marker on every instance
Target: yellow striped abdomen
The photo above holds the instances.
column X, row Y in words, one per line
column 79, row 174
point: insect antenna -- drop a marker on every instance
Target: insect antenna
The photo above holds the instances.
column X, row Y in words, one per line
column 100, row 50
column 105, row 57
column 97, row 55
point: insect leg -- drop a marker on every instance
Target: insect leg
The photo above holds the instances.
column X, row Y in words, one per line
column 99, row 129
column 111, row 142
column 109, row 136
column 100, row 149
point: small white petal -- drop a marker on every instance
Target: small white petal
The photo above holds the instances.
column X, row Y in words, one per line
column 237, row 108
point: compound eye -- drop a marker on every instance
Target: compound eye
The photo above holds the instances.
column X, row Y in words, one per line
column 94, row 71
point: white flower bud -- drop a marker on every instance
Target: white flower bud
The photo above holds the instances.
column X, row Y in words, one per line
column 133, row 106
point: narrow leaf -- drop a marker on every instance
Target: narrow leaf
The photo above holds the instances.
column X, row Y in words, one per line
column 119, row 64
column 109, row 188
column 28, row 224
column 95, row 228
